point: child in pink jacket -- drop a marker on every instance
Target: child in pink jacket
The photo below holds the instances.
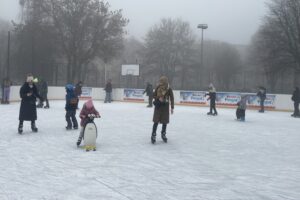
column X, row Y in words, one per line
column 87, row 109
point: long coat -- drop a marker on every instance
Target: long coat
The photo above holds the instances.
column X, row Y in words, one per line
column 28, row 103
column 162, row 112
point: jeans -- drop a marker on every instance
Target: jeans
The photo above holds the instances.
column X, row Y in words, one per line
column 70, row 115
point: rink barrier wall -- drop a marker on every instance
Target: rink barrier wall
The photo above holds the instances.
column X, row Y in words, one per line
column 279, row 102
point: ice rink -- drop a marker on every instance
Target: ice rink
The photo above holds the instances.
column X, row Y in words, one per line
column 206, row 157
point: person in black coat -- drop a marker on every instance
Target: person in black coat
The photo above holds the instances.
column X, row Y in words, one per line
column 262, row 94
column 296, row 99
column 149, row 93
column 108, row 90
column 212, row 97
column 28, row 94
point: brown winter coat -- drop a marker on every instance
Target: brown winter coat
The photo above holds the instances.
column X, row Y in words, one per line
column 162, row 113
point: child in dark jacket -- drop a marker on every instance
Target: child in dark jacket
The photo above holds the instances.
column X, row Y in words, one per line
column 241, row 109
column 71, row 105
column 87, row 109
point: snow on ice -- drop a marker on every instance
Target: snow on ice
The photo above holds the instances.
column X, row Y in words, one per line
column 206, row 157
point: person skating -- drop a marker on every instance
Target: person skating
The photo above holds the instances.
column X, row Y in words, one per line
column 241, row 109
column 71, row 106
column 163, row 96
column 28, row 94
column 78, row 91
column 149, row 93
column 108, row 91
column 43, row 91
column 87, row 109
column 212, row 97
column 262, row 94
column 6, row 91
column 296, row 99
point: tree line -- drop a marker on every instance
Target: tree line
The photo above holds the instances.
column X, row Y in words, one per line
column 65, row 41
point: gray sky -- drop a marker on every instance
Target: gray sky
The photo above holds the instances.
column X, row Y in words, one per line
column 233, row 21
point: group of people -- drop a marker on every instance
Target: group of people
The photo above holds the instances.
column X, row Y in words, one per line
column 162, row 98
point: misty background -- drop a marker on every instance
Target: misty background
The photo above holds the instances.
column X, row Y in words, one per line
column 161, row 36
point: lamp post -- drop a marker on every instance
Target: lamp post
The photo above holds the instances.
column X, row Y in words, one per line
column 8, row 56
column 203, row 27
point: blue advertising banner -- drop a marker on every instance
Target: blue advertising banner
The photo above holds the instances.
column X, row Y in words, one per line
column 227, row 98
column 254, row 101
column 192, row 97
column 133, row 95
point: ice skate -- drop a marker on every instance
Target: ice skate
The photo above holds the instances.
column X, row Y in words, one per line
column 153, row 138
column 163, row 137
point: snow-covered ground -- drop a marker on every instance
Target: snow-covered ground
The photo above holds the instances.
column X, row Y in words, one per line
column 206, row 157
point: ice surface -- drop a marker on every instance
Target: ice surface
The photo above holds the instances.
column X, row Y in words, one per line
column 206, row 157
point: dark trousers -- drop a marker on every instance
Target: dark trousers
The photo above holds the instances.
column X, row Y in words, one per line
column 240, row 113
column 70, row 115
column 296, row 109
column 262, row 105
column 154, row 128
column 22, row 121
column 150, row 100
column 213, row 107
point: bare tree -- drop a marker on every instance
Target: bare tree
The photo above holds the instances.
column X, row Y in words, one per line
column 86, row 29
column 168, row 45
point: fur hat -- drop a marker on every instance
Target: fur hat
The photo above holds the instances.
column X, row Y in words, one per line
column 163, row 80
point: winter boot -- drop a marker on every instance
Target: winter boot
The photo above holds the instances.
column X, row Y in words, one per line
column 20, row 129
column 33, row 127
column 78, row 142
column 163, row 137
column 153, row 138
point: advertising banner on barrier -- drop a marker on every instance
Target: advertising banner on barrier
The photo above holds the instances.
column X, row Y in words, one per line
column 192, row 97
column 133, row 95
column 227, row 98
column 254, row 101
column 86, row 92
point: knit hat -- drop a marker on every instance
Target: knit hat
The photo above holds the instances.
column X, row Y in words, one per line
column 89, row 104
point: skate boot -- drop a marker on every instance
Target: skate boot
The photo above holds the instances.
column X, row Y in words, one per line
column 163, row 137
column 20, row 129
column 215, row 114
column 69, row 127
column 209, row 113
column 153, row 138
column 34, row 128
column 78, row 142
column 46, row 107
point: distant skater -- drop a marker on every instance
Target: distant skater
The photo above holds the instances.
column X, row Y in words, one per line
column 296, row 99
column 262, row 94
column 149, row 93
column 241, row 109
column 212, row 97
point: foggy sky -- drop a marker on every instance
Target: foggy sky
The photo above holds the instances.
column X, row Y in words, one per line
column 233, row 21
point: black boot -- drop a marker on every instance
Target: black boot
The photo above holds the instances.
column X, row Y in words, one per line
column 33, row 127
column 20, row 129
column 163, row 137
column 153, row 138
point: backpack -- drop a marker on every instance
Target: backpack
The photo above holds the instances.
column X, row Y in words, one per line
column 73, row 101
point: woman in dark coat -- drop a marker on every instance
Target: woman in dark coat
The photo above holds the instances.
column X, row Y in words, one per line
column 296, row 99
column 28, row 94
column 163, row 96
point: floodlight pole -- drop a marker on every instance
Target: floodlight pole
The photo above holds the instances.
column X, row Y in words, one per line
column 202, row 26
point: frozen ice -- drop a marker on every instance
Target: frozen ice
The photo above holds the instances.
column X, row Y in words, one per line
column 206, row 157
